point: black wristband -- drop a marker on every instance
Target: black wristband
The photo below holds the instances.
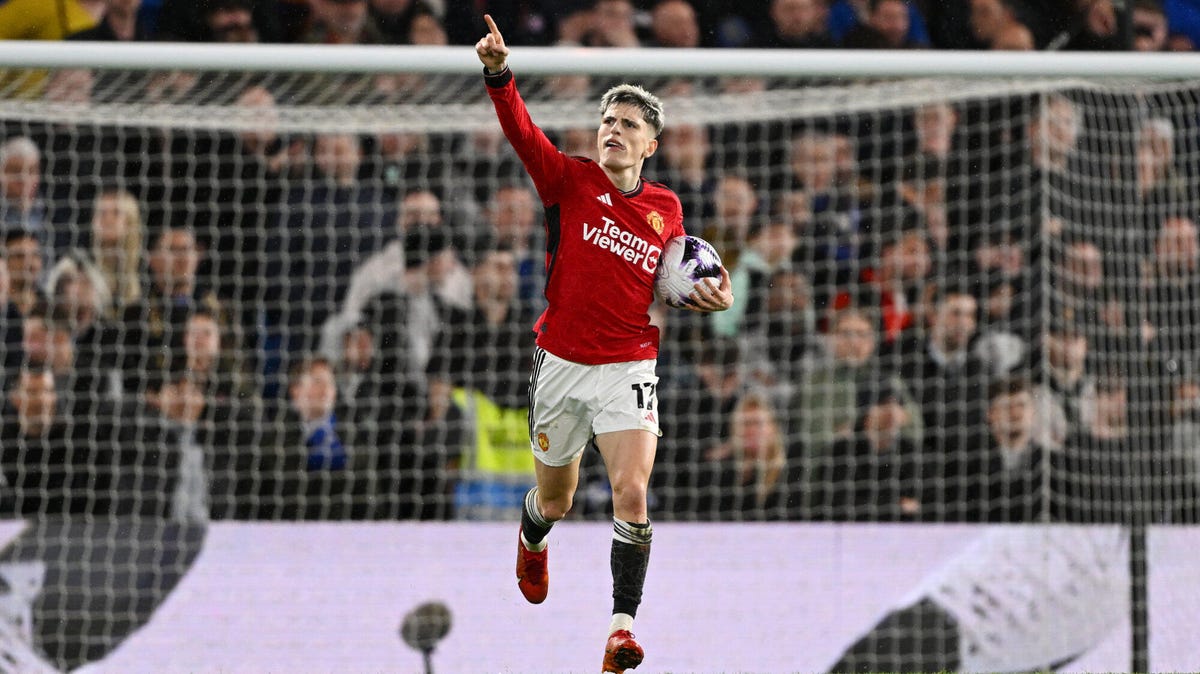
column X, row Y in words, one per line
column 499, row 79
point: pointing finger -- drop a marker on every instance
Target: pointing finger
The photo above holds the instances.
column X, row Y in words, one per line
column 494, row 29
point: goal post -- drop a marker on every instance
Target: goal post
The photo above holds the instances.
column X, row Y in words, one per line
column 966, row 292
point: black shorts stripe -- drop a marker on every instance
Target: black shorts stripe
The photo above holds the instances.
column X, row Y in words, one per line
column 539, row 357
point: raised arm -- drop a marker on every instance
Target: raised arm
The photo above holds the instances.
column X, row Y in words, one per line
column 490, row 48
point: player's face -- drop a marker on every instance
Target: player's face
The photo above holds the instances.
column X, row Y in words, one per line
column 624, row 139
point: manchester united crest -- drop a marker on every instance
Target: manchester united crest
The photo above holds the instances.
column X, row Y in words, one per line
column 655, row 221
column 543, row 442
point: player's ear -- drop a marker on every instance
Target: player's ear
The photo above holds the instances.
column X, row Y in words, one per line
column 650, row 148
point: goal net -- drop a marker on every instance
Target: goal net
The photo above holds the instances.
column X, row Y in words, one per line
column 283, row 295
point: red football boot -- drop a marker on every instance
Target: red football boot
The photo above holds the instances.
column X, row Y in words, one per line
column 622, row 652
column 532, row 576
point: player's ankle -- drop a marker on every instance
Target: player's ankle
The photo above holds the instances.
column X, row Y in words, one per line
column 620, row 621
column 534, row 547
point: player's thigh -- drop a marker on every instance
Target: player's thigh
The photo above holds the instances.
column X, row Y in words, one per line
column 560, row 424
column 557, row 483
column 628, row 457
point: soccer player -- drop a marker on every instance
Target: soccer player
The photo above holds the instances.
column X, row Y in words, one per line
column 593, row 373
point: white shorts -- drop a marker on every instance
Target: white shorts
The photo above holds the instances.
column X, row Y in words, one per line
column 569, row 403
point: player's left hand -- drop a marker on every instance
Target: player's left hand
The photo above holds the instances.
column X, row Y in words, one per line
column 707, row 297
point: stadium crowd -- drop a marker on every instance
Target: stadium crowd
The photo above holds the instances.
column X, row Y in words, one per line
column 940, row 316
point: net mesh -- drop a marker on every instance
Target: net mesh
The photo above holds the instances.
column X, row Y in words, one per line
column 957, row 301
column 922, row 242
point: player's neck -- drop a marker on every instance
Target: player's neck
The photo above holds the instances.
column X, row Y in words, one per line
column 625, row 180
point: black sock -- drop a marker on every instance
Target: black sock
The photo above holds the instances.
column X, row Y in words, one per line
column 630, row 556
column 533, row 526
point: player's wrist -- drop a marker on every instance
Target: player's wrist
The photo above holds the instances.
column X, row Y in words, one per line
column 497, row 78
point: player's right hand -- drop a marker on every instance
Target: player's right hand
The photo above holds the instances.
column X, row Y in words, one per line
column 490, row 48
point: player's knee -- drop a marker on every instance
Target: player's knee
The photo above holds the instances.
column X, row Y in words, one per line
column 557, row 508
column 629, row 495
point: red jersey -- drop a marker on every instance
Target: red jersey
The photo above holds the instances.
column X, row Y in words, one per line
column 602, row 245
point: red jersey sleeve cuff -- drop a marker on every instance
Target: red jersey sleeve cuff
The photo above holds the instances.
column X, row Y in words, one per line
column 497, row 80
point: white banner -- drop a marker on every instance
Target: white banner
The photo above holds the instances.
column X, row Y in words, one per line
column 329, row 597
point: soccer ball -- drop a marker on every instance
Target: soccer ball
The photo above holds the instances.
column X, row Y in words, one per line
column 684, row 261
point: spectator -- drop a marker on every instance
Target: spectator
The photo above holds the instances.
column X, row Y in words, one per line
column 1113, row 471
column 42, row 472
column 1053, row 133
column 10, row 327
column 1001, row 479
column 823, row 166
column 426, row 29
column 1066, row 395
column 1170, row 324
column 408, row 161
column 342, row 22
column 483, row 159
column 797, row 24
column 745, row 477
column 119, row 24
column 847, row 15
column 46, row 344
column 484, row 360
column 673, row 24
column 334, row 222
column 116, row 247
column 524, row 22
column 78, row 300
column 208, row 363
column 62, row 464
column 901, row 279
column 1184, row 445
column 788, row 328
column 400, row 284
column 312, row 395
column 613, row 25
column 394, row 18
column 823, row 407
column 218, row 423
column 1076, row 25
column 771, row 248
column 21, row 207
column 219, row 21
column 947, row 379
column 684, row 163
column 991, row 20
column 373, row 391
column 707, row 386
column 149, row 334
column 40, row 20
column 231, row 21
column 871, row 475
column 734, row 214
column 886, row 27
column 1160, row 186
column 422, row 237
column 513, row 224
column 1013, row 37
column 734, row 209
column 23, row 258
column 313, row 468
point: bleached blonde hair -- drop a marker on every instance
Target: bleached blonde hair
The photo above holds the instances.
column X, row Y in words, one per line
column 632, row 94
